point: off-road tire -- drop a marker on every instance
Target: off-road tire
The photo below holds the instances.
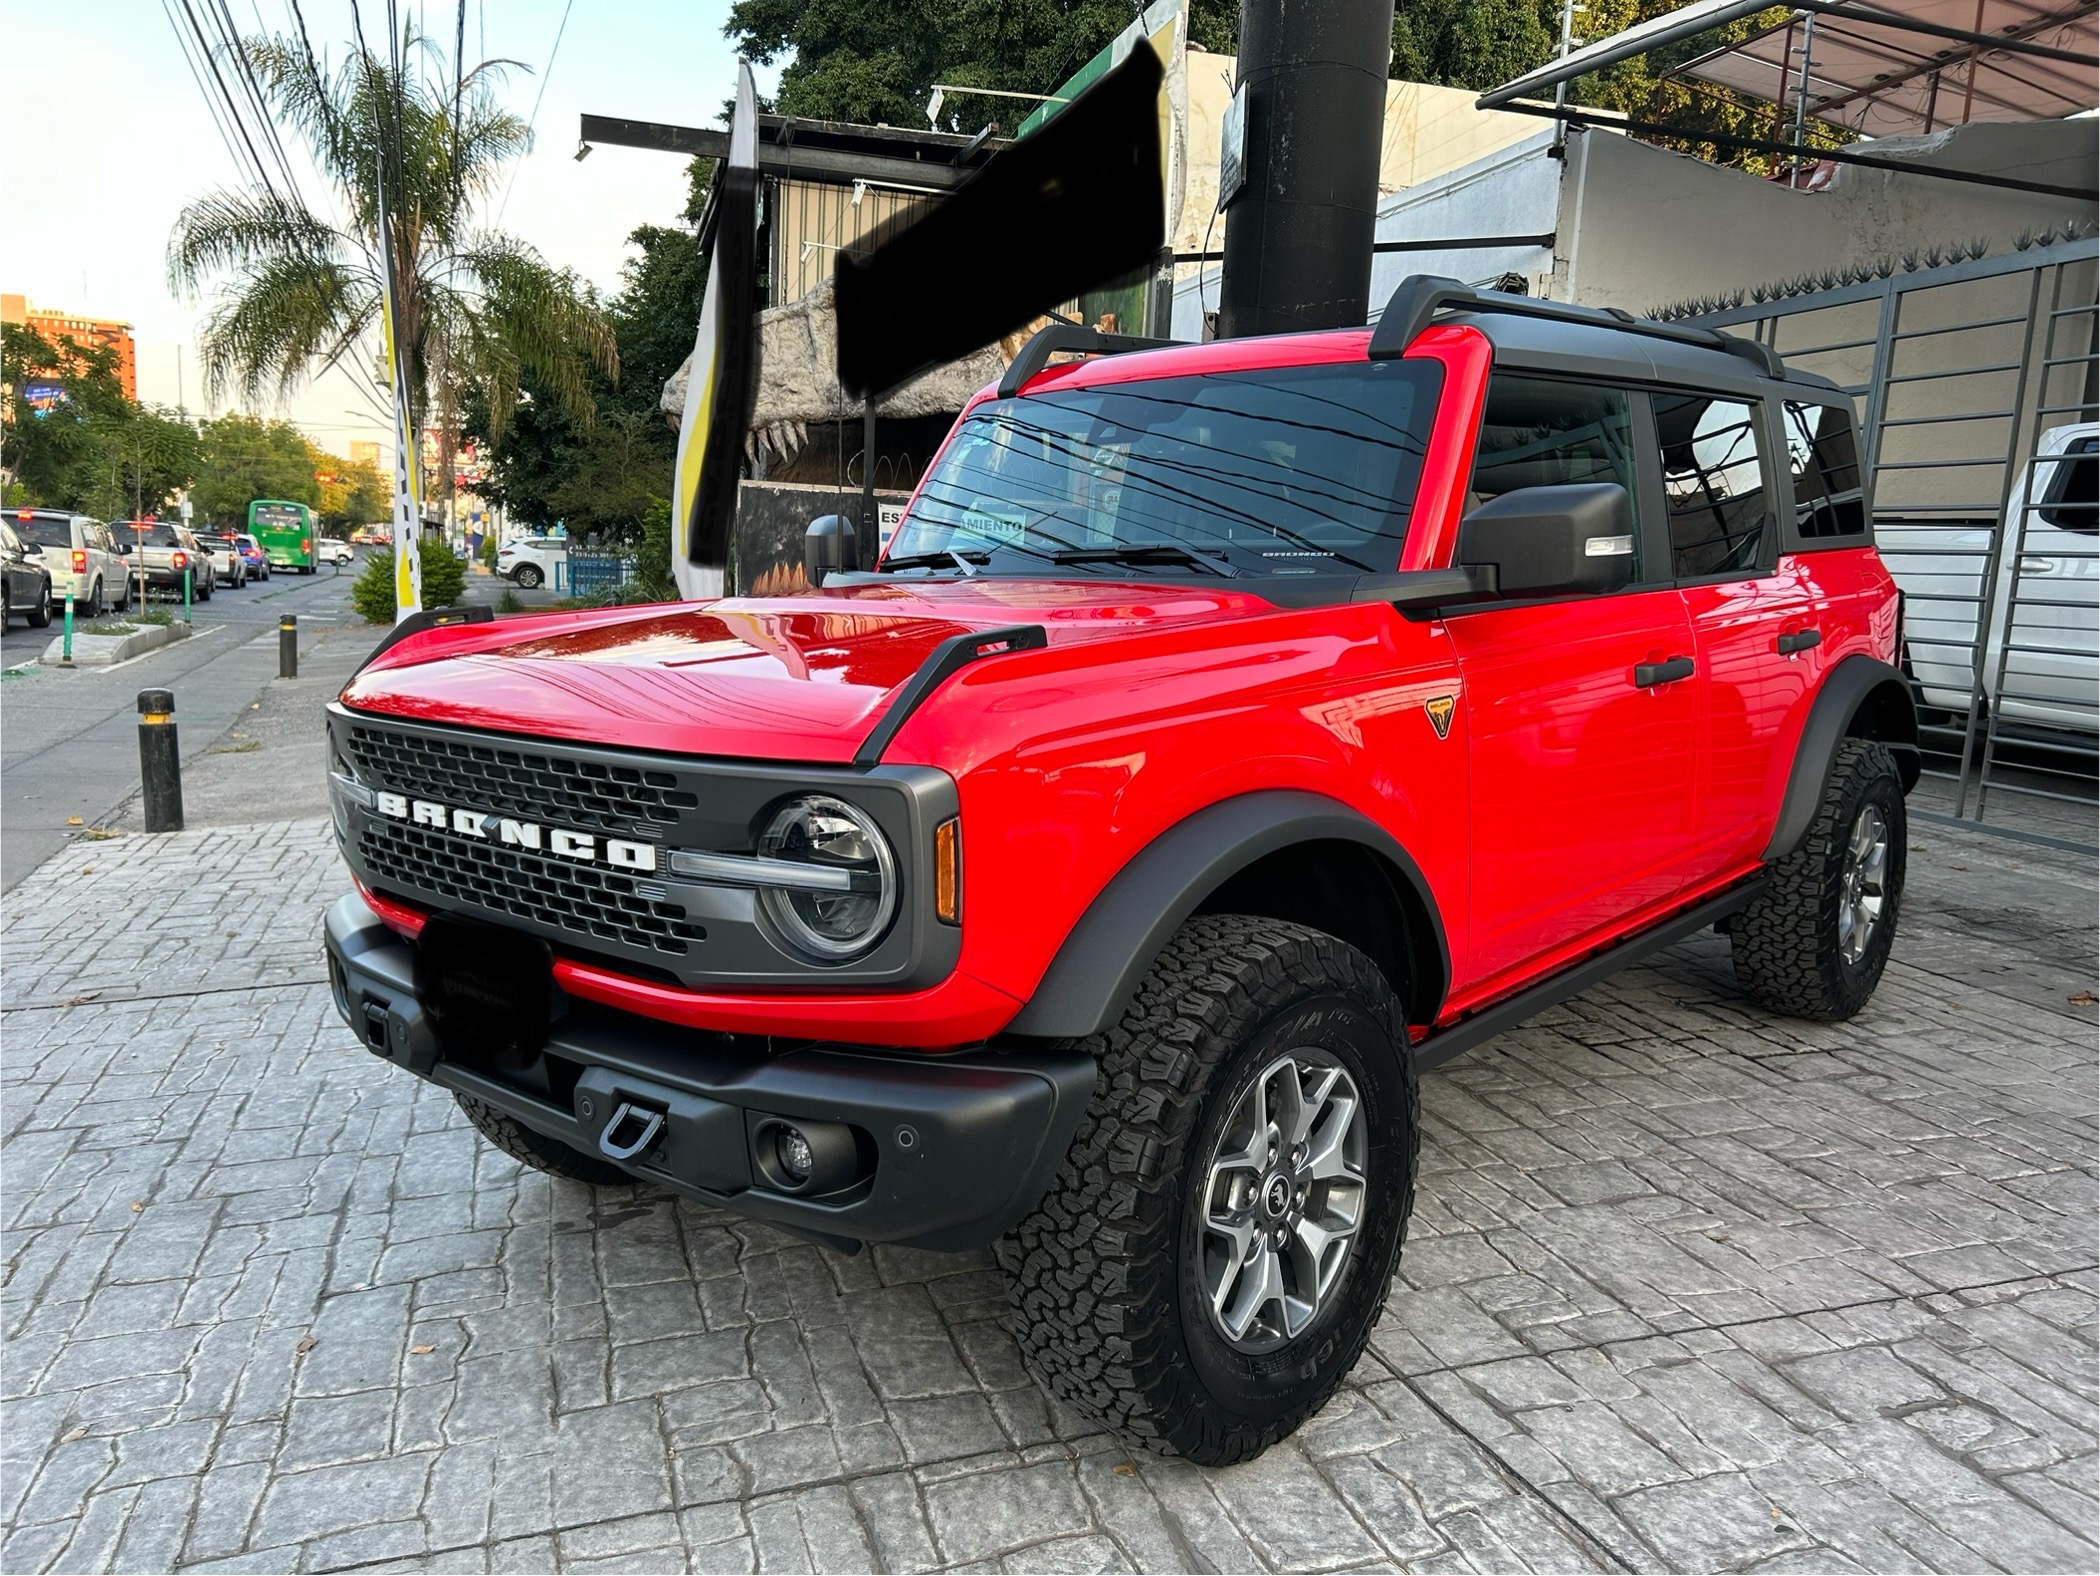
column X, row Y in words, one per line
column 39, row 616
column 1104, row 1288
column 536, row 1150
column 1787, row 953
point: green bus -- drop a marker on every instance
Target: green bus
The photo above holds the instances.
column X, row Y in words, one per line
column 285, row 532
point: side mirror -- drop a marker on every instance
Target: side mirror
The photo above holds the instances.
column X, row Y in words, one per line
column 828, row 547
column 1550, row 541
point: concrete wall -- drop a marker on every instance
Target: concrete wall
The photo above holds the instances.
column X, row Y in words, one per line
column 1644, row 228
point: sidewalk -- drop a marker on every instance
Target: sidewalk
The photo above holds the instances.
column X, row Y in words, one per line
column 1687, row 1287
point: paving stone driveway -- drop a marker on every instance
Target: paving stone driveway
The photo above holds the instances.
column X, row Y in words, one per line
column 1687, row 1288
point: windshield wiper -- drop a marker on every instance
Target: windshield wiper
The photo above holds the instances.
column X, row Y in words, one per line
column 1142, row 553
column 945, row 558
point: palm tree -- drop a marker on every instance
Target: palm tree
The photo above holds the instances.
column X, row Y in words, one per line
column 299, row 291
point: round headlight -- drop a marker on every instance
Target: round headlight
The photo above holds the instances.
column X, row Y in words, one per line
column 846, row 913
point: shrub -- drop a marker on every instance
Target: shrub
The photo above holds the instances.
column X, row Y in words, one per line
column 444, row 583
column 488, row 551
column 652, row 566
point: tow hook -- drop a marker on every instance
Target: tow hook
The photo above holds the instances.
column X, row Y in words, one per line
column 638, row 1121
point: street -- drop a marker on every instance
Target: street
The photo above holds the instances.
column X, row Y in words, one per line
column 1687, row 1286
column 69, row 740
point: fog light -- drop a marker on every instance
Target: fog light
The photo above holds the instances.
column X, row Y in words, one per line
column 806, row 1157
column 792, row 1147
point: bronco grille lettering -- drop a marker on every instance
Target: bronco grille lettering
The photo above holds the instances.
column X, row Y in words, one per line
column 583, row 847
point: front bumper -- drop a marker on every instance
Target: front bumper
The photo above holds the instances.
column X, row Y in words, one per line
column 955, row 1149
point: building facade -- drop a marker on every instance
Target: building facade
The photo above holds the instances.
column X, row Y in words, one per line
column 79, row 330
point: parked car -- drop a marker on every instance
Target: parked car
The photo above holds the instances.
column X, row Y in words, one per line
column 224, row 550
column 171, row 554
column 253, row 555
column 83, row 558
column 25, row 582
column 334, row 550
column 372, row 536
column 533, row 561
column 2044, row 593
column 1232, row 731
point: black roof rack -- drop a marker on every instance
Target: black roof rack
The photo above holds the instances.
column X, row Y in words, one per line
column 1047, row 342
column 1421, row 296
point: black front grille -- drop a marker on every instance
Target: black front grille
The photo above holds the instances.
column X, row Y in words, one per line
column 578, row 899
column 530, row 784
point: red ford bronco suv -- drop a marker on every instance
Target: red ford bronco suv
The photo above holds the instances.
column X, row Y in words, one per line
column 1232, row 731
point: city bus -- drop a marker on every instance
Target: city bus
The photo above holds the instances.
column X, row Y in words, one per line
column 285, row 532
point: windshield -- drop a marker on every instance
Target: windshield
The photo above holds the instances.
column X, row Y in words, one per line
column 1282, row 471
column 45, row 530
column 130, row 532
column 277, row 516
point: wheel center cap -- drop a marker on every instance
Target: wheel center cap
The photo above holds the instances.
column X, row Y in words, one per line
column 1276, row 1196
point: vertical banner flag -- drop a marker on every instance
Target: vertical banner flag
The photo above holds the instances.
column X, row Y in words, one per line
column 723, row 378
column 408, row 468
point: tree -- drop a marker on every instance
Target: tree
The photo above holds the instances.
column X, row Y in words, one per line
column 543, row 466
column 73, row 440
column 869, row 60
column 299, row 290
column 877, row 60
column 244, row 459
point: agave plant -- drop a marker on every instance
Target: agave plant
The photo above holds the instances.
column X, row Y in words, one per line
column 296, row 290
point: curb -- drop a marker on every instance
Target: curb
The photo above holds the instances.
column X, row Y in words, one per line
column 101, row 651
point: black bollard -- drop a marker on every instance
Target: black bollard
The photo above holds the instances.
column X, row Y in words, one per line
column 288, row 647
column 160, row 761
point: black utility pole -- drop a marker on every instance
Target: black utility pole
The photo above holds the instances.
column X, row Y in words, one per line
column 1298, row 236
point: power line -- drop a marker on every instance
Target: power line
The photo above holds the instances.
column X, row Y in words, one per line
column 532, row 123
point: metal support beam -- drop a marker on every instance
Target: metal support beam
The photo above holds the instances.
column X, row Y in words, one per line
column 777, row 157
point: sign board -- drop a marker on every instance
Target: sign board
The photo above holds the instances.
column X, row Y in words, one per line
column 1232, row 148
column 886, row 517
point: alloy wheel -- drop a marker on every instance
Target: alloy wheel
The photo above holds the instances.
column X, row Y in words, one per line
column 1864, row 883
column 1283, row 1194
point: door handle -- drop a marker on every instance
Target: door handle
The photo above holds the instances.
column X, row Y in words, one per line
column 1648, row 675
column 1799, row 640
column 2037, row 566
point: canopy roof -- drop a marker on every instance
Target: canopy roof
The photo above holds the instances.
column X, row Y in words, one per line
column 1882, row 79
column 1899, row 67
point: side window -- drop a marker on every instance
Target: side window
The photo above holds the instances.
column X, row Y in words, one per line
column 2071, row 502
column 1538, row 432
column 1712, row 484
column 1823, row 455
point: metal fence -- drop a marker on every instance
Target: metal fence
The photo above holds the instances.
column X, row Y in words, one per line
column 589, row 576
column 1968, row 376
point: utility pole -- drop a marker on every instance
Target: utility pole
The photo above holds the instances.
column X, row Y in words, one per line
column 1298, row 236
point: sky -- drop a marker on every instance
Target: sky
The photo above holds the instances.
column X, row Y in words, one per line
column 89, row 194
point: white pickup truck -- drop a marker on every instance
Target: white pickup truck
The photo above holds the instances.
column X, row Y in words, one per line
column 2043, row 597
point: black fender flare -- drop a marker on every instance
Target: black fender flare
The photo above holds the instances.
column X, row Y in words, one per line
column 1105, row 958
column 1859, row 698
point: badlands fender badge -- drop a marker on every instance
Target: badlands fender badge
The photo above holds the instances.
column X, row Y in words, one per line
column 1440, row 708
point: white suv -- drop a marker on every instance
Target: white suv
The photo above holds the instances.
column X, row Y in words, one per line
column 83, row 558
column 532, row 561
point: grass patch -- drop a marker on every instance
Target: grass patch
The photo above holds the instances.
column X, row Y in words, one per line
column 100, row 834
column 109, row 626
column 159, row 617
column 509, row 603
column 239, row 747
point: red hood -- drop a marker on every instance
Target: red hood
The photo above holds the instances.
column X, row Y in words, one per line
column 781, row 678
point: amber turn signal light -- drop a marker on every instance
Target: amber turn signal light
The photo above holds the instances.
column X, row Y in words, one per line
column 947, row 872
